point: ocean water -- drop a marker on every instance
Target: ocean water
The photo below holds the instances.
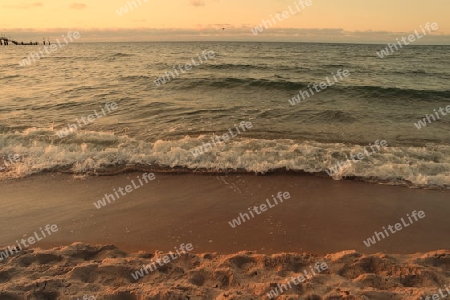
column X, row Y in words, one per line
column 159, row 127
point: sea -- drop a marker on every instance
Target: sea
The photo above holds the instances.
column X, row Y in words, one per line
column 158, row 127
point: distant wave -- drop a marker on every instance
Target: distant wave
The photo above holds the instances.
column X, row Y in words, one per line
column 102, row 153
column 136, row 77
column 377, row 91
column 246, row 67
column 239, row 82
column 119, row 54
column 370, row 91
column 235, row 66
column 10, row 76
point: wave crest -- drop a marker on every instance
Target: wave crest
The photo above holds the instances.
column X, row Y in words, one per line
column 88, row 152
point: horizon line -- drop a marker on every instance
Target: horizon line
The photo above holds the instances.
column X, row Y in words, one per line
column 242, row 41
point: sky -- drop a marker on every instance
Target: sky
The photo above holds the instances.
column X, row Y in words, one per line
column 360, row 21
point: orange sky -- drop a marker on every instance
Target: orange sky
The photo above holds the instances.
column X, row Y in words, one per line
column 204, row 18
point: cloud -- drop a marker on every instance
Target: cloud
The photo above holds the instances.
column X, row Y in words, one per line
column 197, row 3
column 24, row 5
column 214, row 32
column 78, row 6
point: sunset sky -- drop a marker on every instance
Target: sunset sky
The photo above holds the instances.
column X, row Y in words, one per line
column 323, row 21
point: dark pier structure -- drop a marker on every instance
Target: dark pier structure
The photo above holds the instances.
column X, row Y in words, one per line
column 5, row 41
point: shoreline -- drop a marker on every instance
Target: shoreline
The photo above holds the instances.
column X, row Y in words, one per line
column 196, row 208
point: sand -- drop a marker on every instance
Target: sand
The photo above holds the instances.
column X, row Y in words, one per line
column 104, row 272
column 321, row 217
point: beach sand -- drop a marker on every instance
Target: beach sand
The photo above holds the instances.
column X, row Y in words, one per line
column 322, row 217
column 104, row 272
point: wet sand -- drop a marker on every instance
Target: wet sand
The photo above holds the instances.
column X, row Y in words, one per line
column 322, row 216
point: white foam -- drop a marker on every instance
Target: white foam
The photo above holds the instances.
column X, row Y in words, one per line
column 86, row 151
